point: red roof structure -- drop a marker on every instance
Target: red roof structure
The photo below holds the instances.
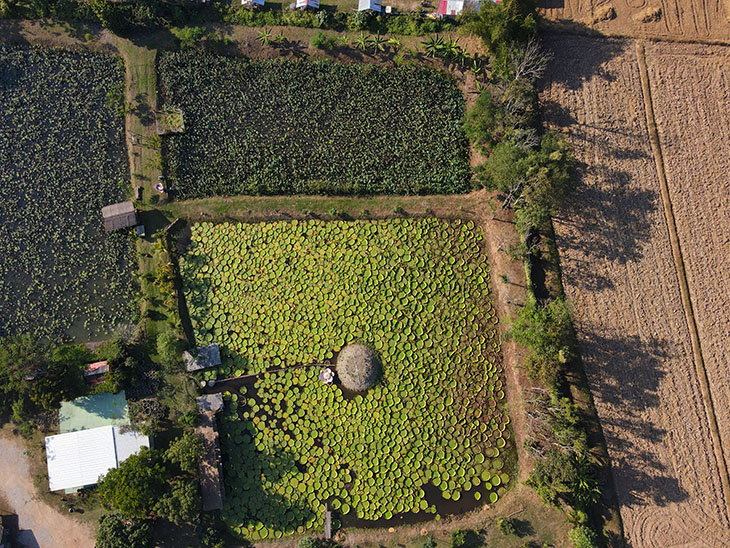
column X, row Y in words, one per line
column 96, row 372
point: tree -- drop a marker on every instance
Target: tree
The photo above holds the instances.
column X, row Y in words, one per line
column 182, row 504
column 134, row 488
column 547, row 332
column 63, row 377
column 501, row 25
column 186, row 452
column 583, row 537
column 116, row 532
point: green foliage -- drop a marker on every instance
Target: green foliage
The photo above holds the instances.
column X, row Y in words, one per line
column 169, row 350
column 501, row 25
column 308, row 542
column 359, row 20
column 507, row 526
column 537, row 181
column 583, row 537
column 322, row 40
column 113, row 16
column 458, row 538
column 186, row 452
column 63, row 377
column 134, row 488
column 281, row 294
column 181, row 504
column 547, row 332
column 190, row 36
column 563, row 477
column 117, row 532
column 430, row 542
column 351, row 112
column 63, row 156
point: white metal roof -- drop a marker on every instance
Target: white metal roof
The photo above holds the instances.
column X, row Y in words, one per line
column 77, row 459
column 374, row 5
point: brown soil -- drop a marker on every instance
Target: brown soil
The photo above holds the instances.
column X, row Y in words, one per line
column 691, row 90
column 702, row 20
column 620, row 273
column 43, row 525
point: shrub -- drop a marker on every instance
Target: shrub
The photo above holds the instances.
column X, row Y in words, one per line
column 117, row 532
column 547, row 332
column 134, row 488
column 458, row 538
column 186, row 452
column 507, row 526
column 430, row 542
column 308, row 542
column 322, row 40
column 169, row 350
column 181, row 504
column 583, row 537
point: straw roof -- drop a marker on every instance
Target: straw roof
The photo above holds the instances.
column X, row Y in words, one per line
column 358, row 367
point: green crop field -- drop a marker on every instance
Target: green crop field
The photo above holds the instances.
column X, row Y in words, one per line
column 62, row 158
column 286, row 293
column 289, row 127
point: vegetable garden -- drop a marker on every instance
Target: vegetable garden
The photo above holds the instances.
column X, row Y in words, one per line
column 63, row 158
column 286, row 293
column 286, row 127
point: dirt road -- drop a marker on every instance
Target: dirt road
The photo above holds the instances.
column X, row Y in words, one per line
column 43, row 526
column 619, row 271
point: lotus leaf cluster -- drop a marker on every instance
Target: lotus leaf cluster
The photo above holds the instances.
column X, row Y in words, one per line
column 286, row 293
column 297, row 126
column 62, row 158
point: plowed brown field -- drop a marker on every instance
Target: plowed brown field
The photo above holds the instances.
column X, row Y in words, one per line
column 677, row 19
column 620, row 273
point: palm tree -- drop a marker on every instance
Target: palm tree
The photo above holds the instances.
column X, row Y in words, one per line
column 361, row 42
column 433, row 46
column 377, row 42
column 265, row 36
column 395, row 42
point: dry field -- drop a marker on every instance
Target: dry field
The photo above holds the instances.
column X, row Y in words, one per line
column 620, row 272
column 676, row 19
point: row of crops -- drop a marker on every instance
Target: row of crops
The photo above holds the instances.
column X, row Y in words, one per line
column 286, row 127
column 417, row 291
column 63, row 157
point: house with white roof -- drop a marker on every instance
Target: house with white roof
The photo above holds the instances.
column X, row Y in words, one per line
column 77, row 459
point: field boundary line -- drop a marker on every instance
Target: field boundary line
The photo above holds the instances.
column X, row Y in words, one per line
column 682, row 274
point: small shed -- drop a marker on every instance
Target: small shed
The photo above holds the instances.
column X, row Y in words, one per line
column 117, row 216
column 365, row 5
column 96, row 372
column 202, row 358
column 303, row 4
column 252, row 3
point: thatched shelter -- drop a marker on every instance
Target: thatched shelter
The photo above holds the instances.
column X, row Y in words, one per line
column 358, row 367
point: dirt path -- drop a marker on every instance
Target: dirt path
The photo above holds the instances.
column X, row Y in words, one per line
column 619, row 271
column 44, row 526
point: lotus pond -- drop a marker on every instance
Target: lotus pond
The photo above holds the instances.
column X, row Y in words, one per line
column 288, row 127
column 62, row 158
column 286, row 293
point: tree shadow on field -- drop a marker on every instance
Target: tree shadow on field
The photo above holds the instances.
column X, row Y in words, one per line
column 625, row 373
column 603, row 226
column 579, row 58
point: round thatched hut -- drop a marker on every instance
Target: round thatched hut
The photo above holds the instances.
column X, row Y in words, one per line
column 358, row 367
